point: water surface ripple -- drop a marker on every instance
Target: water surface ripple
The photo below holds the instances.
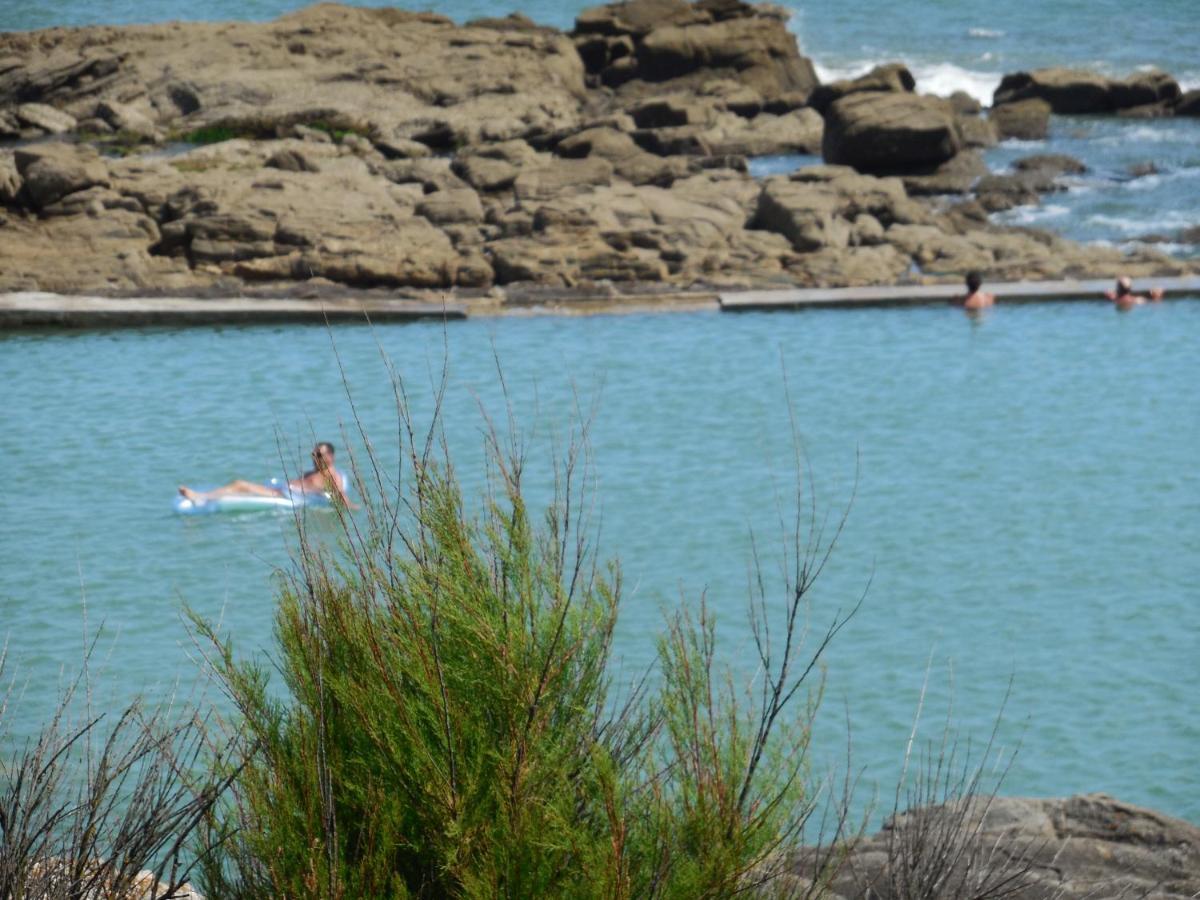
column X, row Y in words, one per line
column 1027, row 502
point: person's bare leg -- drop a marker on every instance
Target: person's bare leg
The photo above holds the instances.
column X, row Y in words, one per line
column 237, row 488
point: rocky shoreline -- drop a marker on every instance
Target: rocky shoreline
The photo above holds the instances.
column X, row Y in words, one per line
column 340, row 149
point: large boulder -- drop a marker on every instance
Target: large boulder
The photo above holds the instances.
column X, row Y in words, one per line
column 1069, row 91
column 889, row 132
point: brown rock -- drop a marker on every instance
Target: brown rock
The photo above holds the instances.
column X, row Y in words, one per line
column 1051, row 163
column 51, row 171
column 10, row 178
column 451, row 207
column 955, row 176
column 1188, row 104
column 892, row 77
column 292, row 160
column 46, row 118
column 1145, row 89
column 977, row 132
column 557, row 176
column 1026, row 120
column 1091, row 846
column 890, row 132
column 1069, row 91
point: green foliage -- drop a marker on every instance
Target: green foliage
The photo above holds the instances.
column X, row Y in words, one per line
column 449, row 728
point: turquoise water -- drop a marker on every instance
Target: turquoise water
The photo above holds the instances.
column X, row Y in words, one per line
column 1026, row 507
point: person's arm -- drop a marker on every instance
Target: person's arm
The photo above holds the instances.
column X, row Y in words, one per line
column 339, row 491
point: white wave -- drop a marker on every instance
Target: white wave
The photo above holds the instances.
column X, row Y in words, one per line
column 944, row 79
column 843, row 72
column 1135, row 225
column 1032, row 215
column 985, row 33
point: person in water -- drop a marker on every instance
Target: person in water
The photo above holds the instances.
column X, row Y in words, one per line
column 322, row 478
column 976, row 298
column 1124, row 297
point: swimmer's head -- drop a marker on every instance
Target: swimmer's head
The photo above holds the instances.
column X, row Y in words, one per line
column 323, row 451
column 974, row 281
column 1124, row 285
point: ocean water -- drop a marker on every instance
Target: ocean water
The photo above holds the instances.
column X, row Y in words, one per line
column 1022, row 493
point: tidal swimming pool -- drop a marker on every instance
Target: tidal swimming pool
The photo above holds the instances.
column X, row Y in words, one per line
column 1026, row 502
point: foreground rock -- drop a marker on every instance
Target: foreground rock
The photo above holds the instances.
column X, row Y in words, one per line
column 1091, row 846
column 386, row 150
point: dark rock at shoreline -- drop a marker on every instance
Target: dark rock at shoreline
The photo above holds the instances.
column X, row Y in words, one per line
column 1050, row 163
column 1075, row 92
column 1091, row 846
column 1188, row 104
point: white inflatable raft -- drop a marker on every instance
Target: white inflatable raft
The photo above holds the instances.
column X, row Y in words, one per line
column 288, row 499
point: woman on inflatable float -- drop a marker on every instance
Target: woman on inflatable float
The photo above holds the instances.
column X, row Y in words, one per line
column 323, row 481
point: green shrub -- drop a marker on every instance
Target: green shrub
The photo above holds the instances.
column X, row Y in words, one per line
column 449, row 728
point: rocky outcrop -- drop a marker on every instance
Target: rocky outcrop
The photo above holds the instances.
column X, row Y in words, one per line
column 1074, row 92
column 1091, row 846
column 673, row 41
column 890, row 132
column 388, row 150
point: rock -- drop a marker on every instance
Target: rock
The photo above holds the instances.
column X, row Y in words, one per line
column 1025, row 120
column 655, row 41
column 1000, row 192
column 127, row 119
column 892, row 77
column 668, row 112
column 46, row 118
column 1188, row 104
column 399, row 148
column 51, row 171
column 451, row 207
column 292, row 160
column 569, row 257
column 890, row 132
column 1145, row 89
column 1090, row 846
column 977, row 132
column 1069, row 91
column 431, row 174
column 484, row 173
column 800, row 131
column 557, row 176
column 817, row 207
column 964, row 104
column 1051, row 164
column 853, row 266
column 1158, row 110
column 10, row 178
column 629, row 161
column 955, row 176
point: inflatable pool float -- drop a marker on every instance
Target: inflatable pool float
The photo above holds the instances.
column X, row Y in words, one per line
column 287, row 499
